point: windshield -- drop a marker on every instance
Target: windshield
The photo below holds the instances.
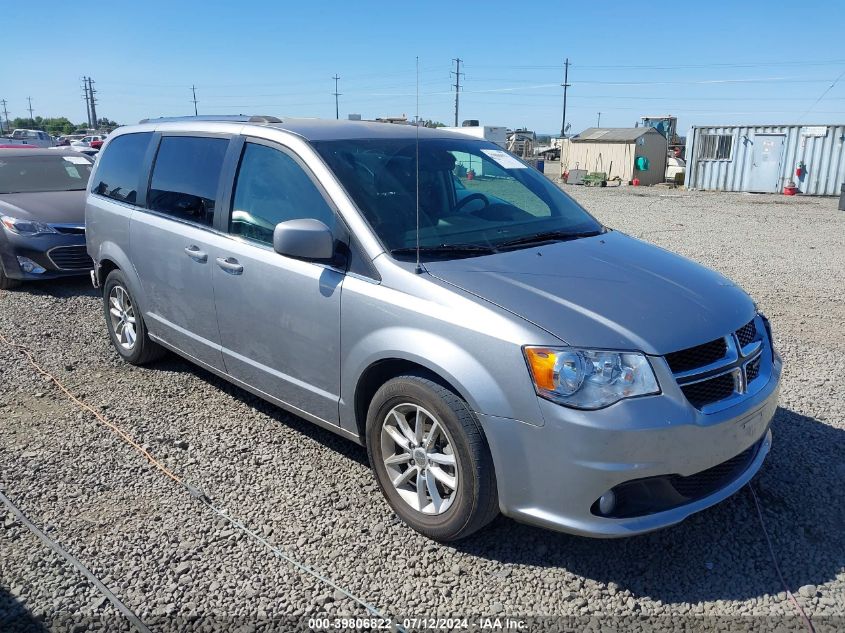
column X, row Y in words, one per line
column 28, row 174
column 473, row 195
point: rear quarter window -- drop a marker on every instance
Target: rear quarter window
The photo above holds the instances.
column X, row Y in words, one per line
column 121, row 166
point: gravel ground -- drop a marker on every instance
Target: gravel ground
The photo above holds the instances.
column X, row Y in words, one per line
column 304, row 489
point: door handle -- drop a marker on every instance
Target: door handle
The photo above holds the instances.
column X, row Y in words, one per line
column 196, row 254
column 230, row 265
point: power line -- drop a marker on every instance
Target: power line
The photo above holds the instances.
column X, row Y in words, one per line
column 829, row 88
column 565, row 85
column 274, row 84
column 457, row 72
column 718, row 65
column 795, row 63
column 336, row 95
column 194, row 91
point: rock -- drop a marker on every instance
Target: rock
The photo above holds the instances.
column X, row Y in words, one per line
column 808, row 591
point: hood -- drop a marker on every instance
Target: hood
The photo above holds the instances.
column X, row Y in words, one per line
column 609, row 291
column 52, row 207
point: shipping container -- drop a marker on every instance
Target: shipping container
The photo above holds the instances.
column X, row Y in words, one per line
column 764, row 158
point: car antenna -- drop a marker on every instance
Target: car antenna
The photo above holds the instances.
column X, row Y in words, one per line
column 419, row 268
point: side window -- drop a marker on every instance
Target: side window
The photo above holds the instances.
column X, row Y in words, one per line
column 270, row 188
column 120, row 167
column 185, row 177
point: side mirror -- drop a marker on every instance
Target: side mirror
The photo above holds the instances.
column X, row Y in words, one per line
column 306, row 239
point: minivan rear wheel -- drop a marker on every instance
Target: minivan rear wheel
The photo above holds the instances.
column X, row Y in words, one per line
column 126, row 324
column 431, row 458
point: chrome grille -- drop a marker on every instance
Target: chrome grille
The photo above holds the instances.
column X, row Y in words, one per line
column 698, row 356
column 713, row 373
column 752, row 369
column 709, row 391
column 746, row 334
column 70, row 258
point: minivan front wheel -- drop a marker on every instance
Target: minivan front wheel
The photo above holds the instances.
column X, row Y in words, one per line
column 431, row 458
column 125, row 324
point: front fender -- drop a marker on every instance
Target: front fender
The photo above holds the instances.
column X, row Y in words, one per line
column 477, row 351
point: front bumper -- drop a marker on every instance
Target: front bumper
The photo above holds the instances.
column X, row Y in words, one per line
column 38, row 248
column 552, row 475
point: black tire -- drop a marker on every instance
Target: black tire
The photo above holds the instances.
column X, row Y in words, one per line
column 144, row 350
column 5, row 282
column 475, row 501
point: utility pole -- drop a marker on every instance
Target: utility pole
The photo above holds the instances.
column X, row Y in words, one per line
column 194, row 91
column 87, row 100
column 29, row 99
column 565, row 85
column 598, row 121
column 91, row 93
column 6, row 114
column 457, row 72
column 336, row 95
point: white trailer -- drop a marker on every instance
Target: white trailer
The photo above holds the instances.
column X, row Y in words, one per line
column 497, row 134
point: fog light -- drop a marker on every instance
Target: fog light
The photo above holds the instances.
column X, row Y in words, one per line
column 607, row 502
column 29, row 266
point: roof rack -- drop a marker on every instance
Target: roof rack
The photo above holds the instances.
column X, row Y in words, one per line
column 233, row 118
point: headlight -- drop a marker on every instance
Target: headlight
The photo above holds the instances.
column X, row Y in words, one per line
column 589, row 379
column 26, row 227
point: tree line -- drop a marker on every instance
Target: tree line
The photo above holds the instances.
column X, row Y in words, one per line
column 56, row 125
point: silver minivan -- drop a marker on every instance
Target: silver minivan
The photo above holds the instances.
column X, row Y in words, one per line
column 432, row 297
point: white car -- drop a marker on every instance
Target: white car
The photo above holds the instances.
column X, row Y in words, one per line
column 88, row 144
column 86, row 141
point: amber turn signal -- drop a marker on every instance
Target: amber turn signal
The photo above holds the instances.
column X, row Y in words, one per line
column 541, row 362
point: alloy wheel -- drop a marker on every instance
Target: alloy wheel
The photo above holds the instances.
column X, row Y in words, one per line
column 122, row 314
column 419, row 458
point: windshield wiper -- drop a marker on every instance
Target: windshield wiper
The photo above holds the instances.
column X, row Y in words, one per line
column 547, row 236
column 446, row 249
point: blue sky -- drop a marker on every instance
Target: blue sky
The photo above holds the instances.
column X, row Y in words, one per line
column 714, row 62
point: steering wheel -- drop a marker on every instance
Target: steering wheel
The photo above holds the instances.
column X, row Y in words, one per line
column 473, row 196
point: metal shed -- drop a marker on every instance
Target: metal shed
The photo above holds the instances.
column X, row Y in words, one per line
column 615, row 150
column 763, row 158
